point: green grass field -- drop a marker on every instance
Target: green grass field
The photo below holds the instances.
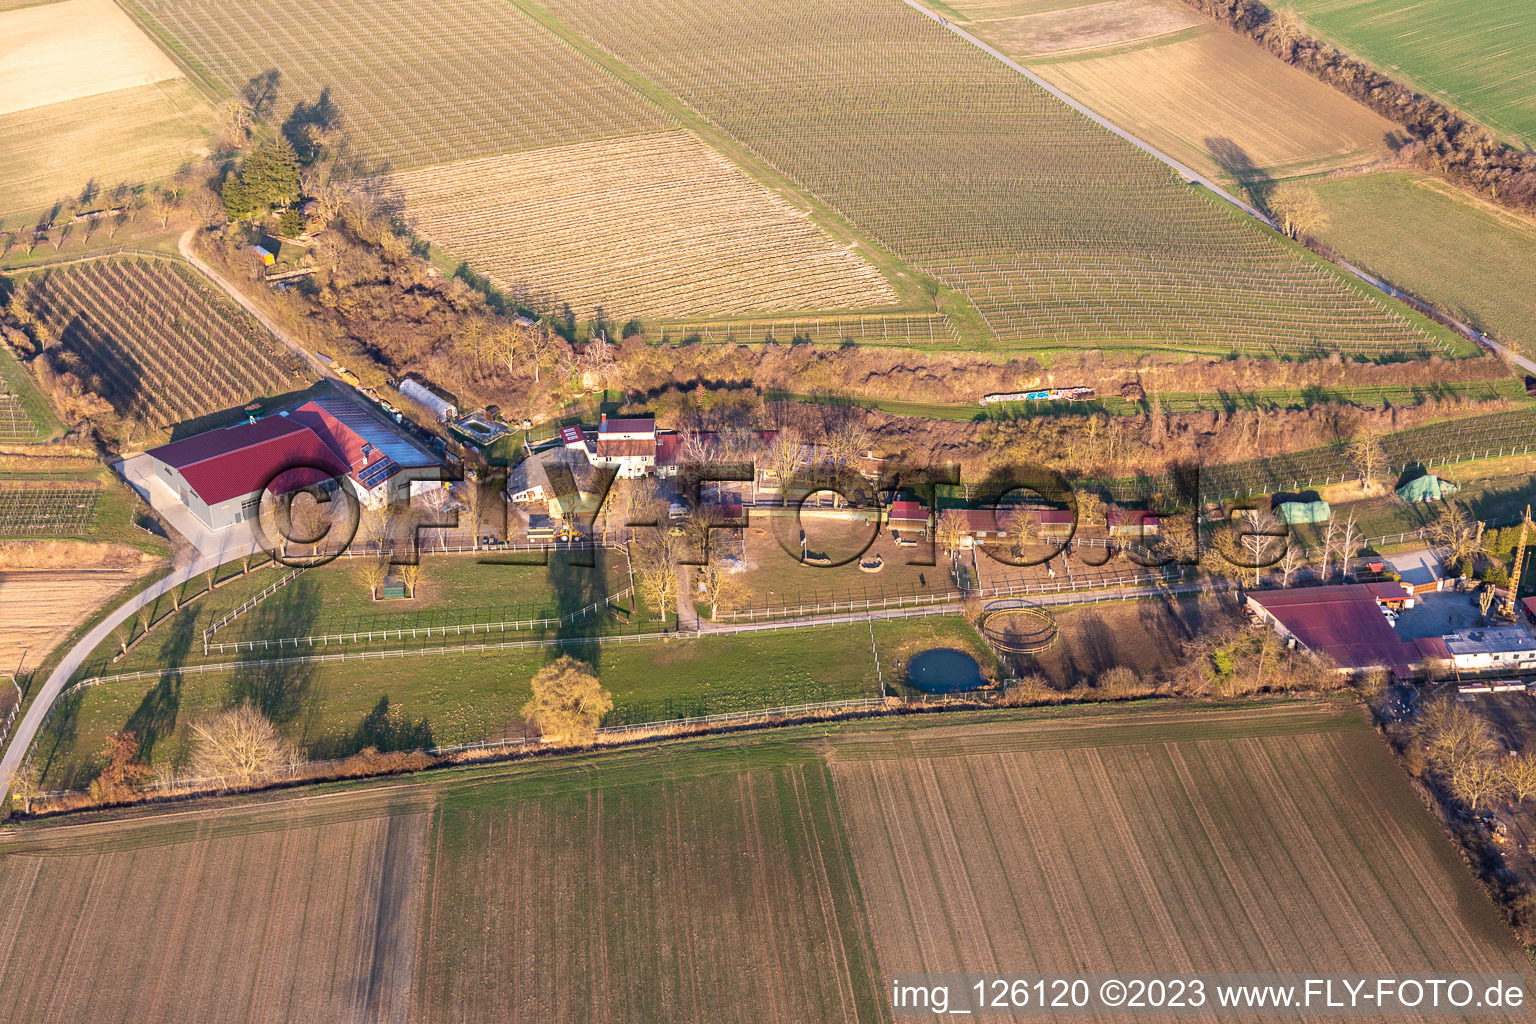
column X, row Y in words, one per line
column 26, row 416
column 1479, row 56
column 334, row 709
column 1470, row 258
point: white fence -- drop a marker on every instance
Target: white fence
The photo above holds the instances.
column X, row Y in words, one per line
column 950, row 597
column 403, row 633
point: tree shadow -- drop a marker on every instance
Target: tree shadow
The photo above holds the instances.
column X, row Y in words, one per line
column 579, row 595
column 309, row 126
column 260, row 93
column 155, row 717
column 1251, row 179
column 383, row 729
column 276, row 689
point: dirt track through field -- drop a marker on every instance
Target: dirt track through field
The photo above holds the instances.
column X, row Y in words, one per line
column 1116, row 851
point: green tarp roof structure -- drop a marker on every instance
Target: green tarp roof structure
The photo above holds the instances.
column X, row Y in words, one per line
column 1425, row 488
column 1304, row 512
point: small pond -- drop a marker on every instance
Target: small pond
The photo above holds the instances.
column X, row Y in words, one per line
column 944, row 670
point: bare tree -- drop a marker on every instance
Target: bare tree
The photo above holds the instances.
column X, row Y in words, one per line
column 240, row 746
column 1326, row 554
column 1023, row 527
column 786, row 457
column 950, row 532
column 1448, row 735
column 375, row 524
column 1456, row 532
column 26, row 785
column 1477, row 782
column 1091, row 510
column 1520, row 774
column 1293, row 561
column 1368, row 457
column 411, row 575
column 1349, row 542
column 1298, row 209
column 722, row 590
column 372, row 572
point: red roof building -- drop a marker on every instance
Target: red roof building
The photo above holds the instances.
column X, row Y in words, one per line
column 220, row 475
column 1344, row 622
column 244, row 459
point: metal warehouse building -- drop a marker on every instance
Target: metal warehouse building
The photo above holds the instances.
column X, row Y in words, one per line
column 220, row 475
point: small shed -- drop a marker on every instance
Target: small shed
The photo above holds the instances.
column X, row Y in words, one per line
column 266, row 255
column 435, row 403
column 1425, row 488
column 1304, row 512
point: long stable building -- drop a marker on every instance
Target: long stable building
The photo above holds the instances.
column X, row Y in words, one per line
column 220, row 475
column 1347, row 623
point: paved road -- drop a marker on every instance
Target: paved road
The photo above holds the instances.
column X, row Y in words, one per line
column 26, row 730
column 184, row 246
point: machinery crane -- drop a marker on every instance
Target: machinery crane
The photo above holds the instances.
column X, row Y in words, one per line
column 1514, row 579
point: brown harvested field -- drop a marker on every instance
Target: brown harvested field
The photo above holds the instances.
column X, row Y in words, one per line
column 198, row 917
column 651, row 224
column 788, row 873
column 1193, row 89
column 1085, row 26
column 39, row 607
column 66, row 51
column 724, row 896
column 135, row 135
column 1274, row 839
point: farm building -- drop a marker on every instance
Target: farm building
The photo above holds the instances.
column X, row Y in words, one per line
column 1130, row 525
column 220, row 475
column 1529, row 607
column 908, row 518
column 981, row 526
column 1347, row 623
column 1495, row 648
column 562, row 480
column 627, row 445
column 430, row 400
column 1053, row 523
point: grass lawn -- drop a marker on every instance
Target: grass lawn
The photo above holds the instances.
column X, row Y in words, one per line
column 1479, row 56
column 456, row 590
column 334, row 709
column 1473, row 259
column 42, row 424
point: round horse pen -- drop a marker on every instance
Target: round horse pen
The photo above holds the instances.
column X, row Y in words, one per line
column 1018, row 629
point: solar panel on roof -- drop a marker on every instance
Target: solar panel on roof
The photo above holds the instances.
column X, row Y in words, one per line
column 371, row 475
column 383, row 438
